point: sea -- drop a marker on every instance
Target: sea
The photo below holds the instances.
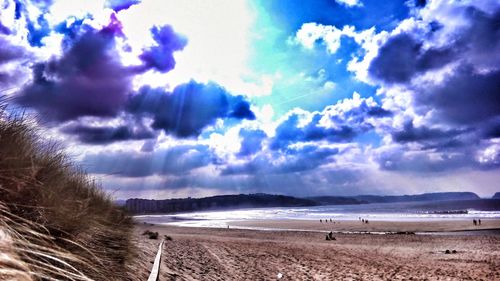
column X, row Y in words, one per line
column 401, row 211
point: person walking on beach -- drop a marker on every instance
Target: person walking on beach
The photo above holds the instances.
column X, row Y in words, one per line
column 474, row 222
column 479, row 221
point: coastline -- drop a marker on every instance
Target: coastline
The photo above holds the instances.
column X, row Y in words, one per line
column 246, row 254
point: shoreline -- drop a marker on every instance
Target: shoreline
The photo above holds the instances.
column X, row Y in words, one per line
column 342, row 226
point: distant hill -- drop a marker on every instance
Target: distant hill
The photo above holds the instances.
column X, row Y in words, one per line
column 439, row 196
column 336, row 200
column 260, row 200
column 496, row 196
column 138, row 206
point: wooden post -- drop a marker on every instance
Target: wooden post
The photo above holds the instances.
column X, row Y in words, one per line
column 155, row 272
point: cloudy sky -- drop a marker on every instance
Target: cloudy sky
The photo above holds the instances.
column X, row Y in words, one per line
column 160, row 99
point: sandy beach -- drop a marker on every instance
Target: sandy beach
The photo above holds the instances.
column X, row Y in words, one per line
column 371, row 226
column 243, row 254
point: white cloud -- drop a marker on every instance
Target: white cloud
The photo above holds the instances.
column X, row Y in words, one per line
column 310, row 33
column 350, row 3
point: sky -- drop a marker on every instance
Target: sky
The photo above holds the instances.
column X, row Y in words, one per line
column 163, row 99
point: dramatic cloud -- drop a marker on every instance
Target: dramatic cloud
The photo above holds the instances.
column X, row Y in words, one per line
column 189, row 108
column 445, row 61
column 88, row 80
column 404, row 56
column 466, row 97
column 341, row 122
column 110, row 79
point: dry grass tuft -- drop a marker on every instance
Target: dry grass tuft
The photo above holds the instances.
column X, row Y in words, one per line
column 55, row 222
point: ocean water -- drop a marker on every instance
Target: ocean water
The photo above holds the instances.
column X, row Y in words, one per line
column 407, row 211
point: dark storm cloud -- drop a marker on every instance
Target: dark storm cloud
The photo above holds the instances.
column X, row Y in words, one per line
column 161, row 57
column 189, row 108
column 88, row 80
column 251, row 141
column 467, row 97
column 118, row 5
column 178, row 160
column 107, row 134
column 293, row 160
column 402, row 57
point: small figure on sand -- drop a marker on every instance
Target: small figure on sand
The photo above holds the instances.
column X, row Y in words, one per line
column 330, row 237
column 479, row 221
column 474, row 221
column 330, row 220
column 363, row 220
column 366, row 221
column 321, row 221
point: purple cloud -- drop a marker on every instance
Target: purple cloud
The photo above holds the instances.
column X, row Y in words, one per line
column 88, row 80
column 160, row 57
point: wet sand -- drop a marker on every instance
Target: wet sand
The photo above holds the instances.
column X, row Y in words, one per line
column 236, row 254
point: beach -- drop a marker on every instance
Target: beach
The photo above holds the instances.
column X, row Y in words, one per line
column 304, row 253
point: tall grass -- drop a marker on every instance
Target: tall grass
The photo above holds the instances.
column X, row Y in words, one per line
column 55, row 222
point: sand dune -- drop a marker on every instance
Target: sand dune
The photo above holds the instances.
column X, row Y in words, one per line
column 232, row 254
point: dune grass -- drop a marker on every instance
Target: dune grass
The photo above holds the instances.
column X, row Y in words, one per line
column 55, row 222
